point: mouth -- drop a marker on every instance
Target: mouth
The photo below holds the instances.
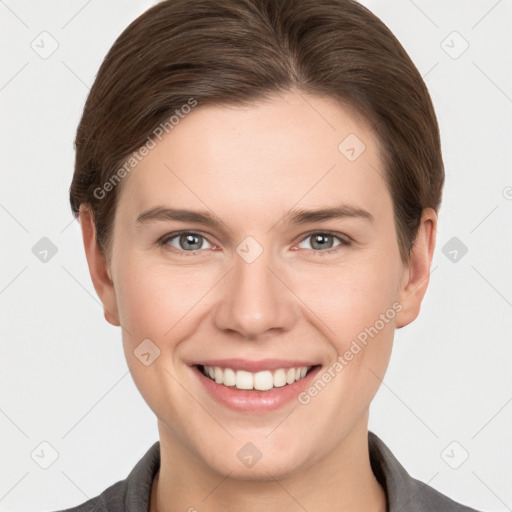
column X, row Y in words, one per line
column 268, row 387
column 260, row 381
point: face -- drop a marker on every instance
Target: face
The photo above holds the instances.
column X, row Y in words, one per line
column 258, row 287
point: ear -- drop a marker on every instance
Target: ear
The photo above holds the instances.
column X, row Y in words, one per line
column 98, row 267
column 416, row 275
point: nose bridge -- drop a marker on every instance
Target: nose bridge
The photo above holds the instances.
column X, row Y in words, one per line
column 254, row 300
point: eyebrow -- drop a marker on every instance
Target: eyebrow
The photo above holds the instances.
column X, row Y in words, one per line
column 335, row 212
column 295, row 217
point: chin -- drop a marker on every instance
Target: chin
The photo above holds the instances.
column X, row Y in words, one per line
column 255, row 457
column 265, row 469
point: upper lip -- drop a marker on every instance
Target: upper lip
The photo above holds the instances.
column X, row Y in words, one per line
column 254, row 366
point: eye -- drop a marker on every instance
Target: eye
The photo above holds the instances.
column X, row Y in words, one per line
column 322, row 242
column 184, row 241
column 189, row 242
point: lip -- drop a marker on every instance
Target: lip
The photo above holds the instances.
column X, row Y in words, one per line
column 255, row 401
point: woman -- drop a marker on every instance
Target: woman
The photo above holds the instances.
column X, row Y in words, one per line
column 257, row 183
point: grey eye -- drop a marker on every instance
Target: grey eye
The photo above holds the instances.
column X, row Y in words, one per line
column 187, row 241
column 321, row 241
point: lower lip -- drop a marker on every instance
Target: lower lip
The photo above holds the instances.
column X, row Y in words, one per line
column 255, row 400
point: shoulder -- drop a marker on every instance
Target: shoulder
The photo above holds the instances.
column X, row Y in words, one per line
column 404, row 492
column 129, row 495
column 110, row 500
column 426, row 498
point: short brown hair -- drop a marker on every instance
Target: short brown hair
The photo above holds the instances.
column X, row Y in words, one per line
column 239, row 51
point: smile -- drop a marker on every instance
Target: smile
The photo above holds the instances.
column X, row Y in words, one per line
column 260, row 381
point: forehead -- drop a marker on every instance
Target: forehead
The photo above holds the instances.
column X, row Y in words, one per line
column 271, row 154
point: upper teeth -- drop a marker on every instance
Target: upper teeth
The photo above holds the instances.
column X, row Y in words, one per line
column 261, row 381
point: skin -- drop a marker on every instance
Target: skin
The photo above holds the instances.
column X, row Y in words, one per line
column 249, row 166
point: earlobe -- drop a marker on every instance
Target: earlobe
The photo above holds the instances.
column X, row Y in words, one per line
column 416, row 276
column 98, row 266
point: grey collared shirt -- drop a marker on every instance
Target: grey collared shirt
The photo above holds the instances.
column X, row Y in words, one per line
column 404, row 493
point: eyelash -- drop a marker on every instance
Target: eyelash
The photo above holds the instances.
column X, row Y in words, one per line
column 163, row 242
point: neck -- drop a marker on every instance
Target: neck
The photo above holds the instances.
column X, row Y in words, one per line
column 343, row 480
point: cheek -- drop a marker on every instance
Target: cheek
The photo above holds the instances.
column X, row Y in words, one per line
column 157, row 299
column 356, row 306
column 351, row 298
column 160, row 303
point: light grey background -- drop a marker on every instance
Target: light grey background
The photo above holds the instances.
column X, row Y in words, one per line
column 64, row 379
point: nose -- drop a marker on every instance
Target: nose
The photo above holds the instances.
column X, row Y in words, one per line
column 255, row 300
